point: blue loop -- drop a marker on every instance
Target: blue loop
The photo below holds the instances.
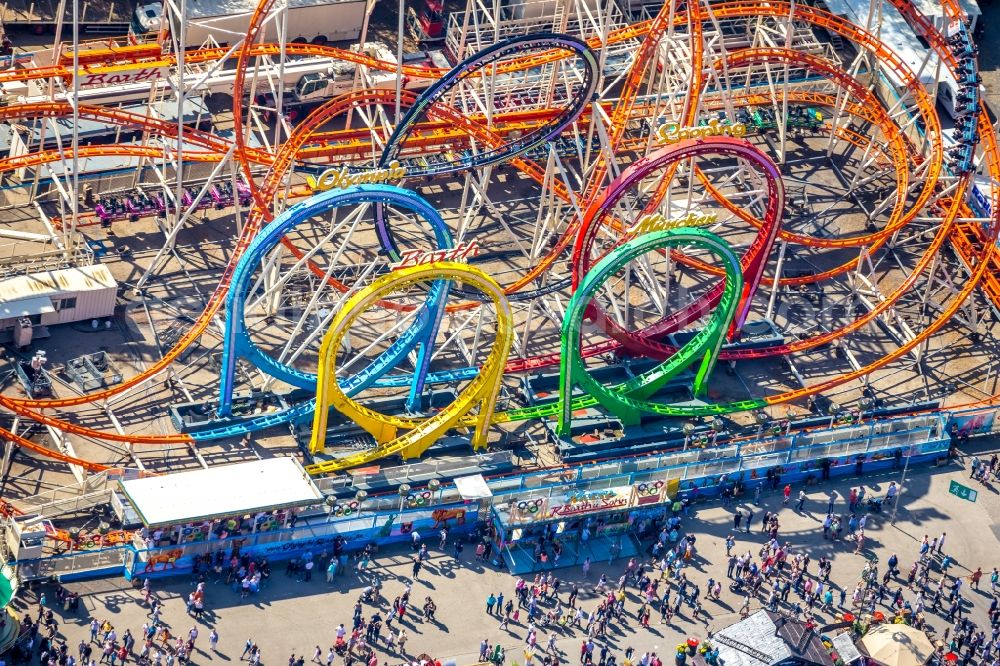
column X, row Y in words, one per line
column 237, row 342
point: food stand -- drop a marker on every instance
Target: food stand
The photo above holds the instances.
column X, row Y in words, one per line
column 563, row 528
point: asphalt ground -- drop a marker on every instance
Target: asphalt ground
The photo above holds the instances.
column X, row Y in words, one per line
column 291, row 616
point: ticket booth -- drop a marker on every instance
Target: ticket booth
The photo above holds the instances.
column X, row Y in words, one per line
column 535, row 533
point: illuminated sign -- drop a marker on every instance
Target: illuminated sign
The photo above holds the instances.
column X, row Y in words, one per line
column 657, row 222
column 580, row 503
column 421, row 257
column 119, row 75
column 340, row 177
column 673, row 132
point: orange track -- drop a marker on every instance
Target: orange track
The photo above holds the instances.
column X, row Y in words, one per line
column 447, row 119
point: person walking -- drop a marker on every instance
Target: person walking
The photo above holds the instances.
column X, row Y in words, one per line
column 247, row 648
column 891, row 493
column 802, row 500
column 504, row 622
column 213, row 640
column 787, row 494
column 976, row 575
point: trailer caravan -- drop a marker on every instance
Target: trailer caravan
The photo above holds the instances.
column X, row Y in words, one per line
column 226, row 21
column 899, row 36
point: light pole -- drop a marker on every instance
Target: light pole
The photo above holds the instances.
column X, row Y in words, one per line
column 404, row 491
column 717, row 426
column 103, row 528
column 761, row 418
column 331, row 503
column 360, row 497
column 865, row 403
column 688, row 431
column 902, row 480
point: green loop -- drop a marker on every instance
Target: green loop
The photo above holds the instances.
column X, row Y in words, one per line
column 628, row 400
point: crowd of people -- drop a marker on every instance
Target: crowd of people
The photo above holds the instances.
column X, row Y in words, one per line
column 671, row 584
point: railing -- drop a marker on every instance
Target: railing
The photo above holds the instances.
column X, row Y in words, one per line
column 416, row 472
column 918, row 434
column 96, row 482
column 71, row 505
column 75, row 562
column 95, row 490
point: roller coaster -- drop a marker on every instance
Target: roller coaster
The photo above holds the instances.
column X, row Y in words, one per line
column 837, row 214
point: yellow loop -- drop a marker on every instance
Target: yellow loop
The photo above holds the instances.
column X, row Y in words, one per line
column 420, row 433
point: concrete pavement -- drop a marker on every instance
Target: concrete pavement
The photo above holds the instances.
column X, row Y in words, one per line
column 293, row 617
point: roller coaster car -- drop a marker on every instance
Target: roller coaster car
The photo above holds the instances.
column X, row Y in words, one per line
column 427, row 23
column 763, row 120
column 970, row 134
column 745, row 117
column 805, row 118
column 721, row 118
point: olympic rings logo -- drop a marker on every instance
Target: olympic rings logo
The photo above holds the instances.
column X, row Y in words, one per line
column 529, row 507
column 418, row 499
column 649, row 489
column 344, row 510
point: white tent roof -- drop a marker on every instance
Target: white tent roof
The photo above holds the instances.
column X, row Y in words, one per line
column 897, row 645
column 230, row 490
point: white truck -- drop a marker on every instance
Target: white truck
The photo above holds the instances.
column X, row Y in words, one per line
column 314, row 88
column 225, row 21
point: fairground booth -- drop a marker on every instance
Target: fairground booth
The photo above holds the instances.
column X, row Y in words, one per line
column 185, row 514
column 566, row 527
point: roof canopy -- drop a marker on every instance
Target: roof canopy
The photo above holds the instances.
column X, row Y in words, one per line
column 218, row 492
column 96, row 277
column 35, row 305
column 765, row 639
column 897, row 645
